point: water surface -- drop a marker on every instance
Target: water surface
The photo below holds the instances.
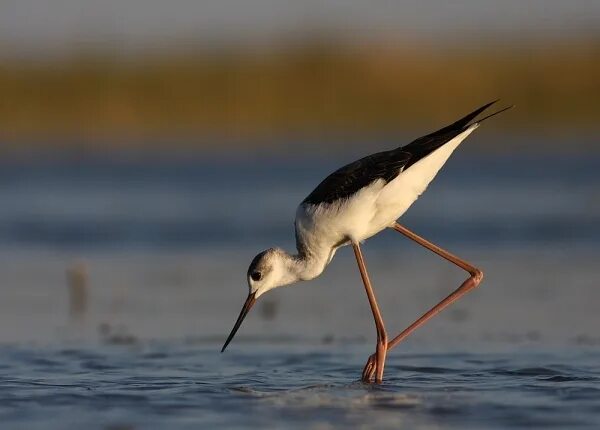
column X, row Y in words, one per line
column 164, row 244
column 186, row 386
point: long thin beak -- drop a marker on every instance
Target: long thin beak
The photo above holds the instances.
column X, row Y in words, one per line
column 245, row 309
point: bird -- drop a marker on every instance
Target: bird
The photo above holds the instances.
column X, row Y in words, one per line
column 354, row 203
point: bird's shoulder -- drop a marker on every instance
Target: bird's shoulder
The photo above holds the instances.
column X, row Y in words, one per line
column 352, row 177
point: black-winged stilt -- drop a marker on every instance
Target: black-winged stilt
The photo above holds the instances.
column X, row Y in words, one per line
column 354, row 203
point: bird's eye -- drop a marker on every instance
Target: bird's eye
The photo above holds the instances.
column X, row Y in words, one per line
column 256, row 276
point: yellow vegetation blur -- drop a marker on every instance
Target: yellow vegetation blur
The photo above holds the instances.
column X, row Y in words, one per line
column 315, row 88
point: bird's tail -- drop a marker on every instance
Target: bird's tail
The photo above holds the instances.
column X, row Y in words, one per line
column 429, row 143
column 436, row 139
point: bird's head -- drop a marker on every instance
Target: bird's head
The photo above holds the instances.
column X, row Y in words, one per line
column 269, row 269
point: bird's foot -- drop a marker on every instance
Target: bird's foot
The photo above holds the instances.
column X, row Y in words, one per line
column 369, row 370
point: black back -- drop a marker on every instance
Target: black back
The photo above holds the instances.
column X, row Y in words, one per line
column 386, row 165
column 354, row 176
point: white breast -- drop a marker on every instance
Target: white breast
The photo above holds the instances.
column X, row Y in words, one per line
column 328, row 225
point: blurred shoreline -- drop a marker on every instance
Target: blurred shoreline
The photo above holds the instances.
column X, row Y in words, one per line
column 249, row 98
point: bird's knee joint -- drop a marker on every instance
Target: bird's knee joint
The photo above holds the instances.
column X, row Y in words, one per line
column 477, row 276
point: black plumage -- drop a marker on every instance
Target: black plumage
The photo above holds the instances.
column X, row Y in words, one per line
column 349, row 179
column 386, row 165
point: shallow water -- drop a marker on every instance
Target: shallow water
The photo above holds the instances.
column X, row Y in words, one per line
column 164, row 246
column 189, row 386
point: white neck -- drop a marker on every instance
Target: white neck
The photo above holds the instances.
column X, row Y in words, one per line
column 305, row 265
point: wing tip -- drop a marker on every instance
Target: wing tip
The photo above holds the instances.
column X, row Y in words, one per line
column 479, row 121
column 465, row 122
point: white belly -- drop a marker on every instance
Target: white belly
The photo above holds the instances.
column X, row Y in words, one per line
column 374, row 207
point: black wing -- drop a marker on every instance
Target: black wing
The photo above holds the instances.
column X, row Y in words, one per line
column 388, row 164
column 349, row 179
column 423, row 146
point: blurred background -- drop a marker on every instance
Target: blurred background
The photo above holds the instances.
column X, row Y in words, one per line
column 150, row 149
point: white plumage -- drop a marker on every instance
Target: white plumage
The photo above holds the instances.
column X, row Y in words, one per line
column 322, row 228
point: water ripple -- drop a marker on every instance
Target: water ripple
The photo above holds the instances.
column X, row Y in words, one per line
column 158, row 387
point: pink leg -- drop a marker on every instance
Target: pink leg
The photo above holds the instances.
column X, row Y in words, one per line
column 473, row 281
column 379, row 356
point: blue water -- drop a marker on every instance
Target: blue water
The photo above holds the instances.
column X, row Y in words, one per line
column 166, row 241
column 192, row 202
column 187, row 386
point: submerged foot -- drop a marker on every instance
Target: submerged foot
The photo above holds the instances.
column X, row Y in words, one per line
column 369, row 370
